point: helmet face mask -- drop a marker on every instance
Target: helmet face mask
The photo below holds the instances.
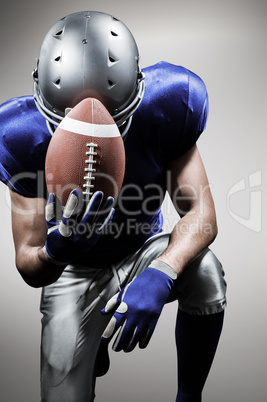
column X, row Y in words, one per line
column 88, row 54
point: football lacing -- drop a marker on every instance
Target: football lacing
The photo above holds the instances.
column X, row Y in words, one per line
column 89, row 178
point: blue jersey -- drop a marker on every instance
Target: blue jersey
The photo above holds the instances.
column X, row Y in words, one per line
column 171, row 117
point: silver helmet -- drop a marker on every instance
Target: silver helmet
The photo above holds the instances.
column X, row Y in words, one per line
column 88, row 54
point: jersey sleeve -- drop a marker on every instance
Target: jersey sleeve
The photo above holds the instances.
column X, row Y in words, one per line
column 196, row 113
column 23, row 143
column 176, row 106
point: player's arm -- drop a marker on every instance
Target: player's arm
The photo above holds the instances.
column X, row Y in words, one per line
column 138, row 306
column 192, row 198
column 30, row 233
column 45, row 244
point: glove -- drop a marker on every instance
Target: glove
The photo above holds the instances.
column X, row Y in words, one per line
column 73, row 236
column 138, row 307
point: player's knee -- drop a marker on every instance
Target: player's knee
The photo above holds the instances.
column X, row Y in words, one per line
column 201, row 289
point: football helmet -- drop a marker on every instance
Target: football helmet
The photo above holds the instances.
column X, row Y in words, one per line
column 88, row 54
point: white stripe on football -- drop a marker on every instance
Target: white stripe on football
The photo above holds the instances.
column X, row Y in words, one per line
column 90, row 129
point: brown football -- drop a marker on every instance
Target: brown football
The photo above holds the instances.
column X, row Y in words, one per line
column 87, row 152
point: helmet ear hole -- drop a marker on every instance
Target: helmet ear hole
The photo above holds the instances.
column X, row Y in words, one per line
column 113, row 33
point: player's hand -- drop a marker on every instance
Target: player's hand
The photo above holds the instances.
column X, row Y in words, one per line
column 138, row 307
column 71, row 236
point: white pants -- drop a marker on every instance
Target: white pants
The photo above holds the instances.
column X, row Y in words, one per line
column 72, row 324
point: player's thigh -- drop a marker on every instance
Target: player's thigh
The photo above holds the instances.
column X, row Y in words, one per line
column 140, row 260
column 72, row 325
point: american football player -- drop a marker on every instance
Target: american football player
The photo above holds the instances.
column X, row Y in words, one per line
column 113, row 284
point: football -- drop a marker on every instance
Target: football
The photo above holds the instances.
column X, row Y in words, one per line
column 87, row 152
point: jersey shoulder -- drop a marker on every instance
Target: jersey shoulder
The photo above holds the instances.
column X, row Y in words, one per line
column 169, row 82
column 176, row 99
column 24, row 139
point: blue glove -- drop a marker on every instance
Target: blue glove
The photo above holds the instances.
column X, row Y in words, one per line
column 138, row 307
column 72, row 236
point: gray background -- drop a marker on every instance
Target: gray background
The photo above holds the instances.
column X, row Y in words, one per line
column 225, row 43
